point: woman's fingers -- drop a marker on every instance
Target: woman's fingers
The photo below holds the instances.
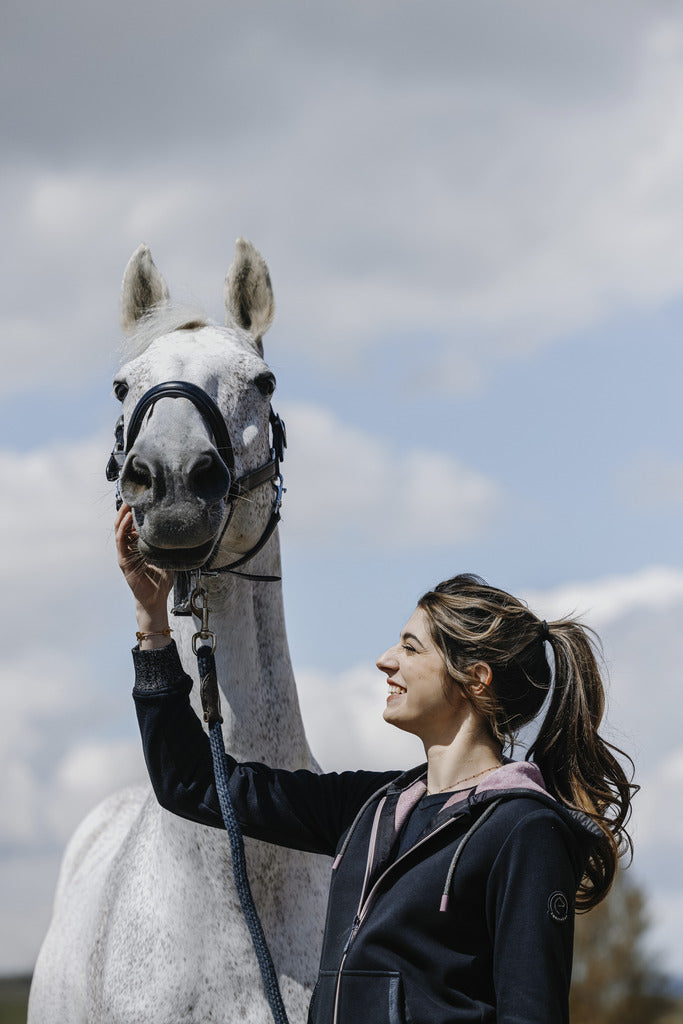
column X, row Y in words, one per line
column 147, row 582
column 126, row 539
column 120, row 514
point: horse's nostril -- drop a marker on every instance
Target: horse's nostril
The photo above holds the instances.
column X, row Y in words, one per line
column 208, row 477
column 139, row 482
column 139, row 473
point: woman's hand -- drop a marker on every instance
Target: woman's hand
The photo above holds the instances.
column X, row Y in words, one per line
column 150, row 585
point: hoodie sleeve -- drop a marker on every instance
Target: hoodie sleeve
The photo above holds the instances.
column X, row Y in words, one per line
column 299, row 809
column 530, row 910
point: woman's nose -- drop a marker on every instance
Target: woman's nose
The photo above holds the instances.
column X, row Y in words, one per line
column 387, row 661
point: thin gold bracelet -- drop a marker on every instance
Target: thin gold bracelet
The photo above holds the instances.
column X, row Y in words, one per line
column 158, row 632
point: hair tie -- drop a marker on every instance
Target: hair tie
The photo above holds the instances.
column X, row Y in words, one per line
column 545, row 632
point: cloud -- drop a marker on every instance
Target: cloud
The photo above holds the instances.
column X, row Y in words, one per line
column 55, row 754
column 349, row 486
column 658, row 828
column 484, row 199
column 359, row 694
column 602, row 601
column 56, row 538
column 88, row 772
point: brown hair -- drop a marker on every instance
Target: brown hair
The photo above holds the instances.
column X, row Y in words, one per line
column 472, row 622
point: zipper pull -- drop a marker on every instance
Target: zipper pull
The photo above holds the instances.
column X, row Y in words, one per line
column 352, row 933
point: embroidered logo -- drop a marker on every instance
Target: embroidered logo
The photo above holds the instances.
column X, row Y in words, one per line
column 558, row 907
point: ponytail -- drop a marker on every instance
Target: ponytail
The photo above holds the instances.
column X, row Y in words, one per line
column 580, row 767
column 470, row 622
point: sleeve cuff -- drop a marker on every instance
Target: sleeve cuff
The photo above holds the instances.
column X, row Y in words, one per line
column 159, row 670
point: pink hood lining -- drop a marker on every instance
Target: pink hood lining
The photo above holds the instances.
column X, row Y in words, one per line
column 514, row 775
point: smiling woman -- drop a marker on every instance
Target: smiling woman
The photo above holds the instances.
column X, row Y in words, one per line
column 454, row 884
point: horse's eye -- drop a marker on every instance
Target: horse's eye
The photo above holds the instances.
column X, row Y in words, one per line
column 265, row 382
column 120, row 390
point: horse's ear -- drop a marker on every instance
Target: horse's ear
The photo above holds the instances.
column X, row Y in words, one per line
column 142, row 289
column 248, row 293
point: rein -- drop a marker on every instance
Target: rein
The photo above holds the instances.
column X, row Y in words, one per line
column 204, row 640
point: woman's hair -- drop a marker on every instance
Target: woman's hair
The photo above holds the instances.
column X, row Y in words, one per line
column 472, row 622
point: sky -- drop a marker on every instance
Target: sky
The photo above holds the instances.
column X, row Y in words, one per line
column 473, row 219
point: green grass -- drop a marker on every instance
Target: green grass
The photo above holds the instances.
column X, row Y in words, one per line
column 14, row 999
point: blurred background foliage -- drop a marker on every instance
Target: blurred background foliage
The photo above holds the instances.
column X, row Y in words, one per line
column 616, row 977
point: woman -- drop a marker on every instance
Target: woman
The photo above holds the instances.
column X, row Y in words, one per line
column 454, row 884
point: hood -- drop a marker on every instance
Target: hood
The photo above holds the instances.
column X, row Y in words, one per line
column 524, row 778
column 513, row 779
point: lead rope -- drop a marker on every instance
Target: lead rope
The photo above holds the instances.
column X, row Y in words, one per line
column 211, row 705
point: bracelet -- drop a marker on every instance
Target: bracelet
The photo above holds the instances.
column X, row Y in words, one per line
column 158, row 632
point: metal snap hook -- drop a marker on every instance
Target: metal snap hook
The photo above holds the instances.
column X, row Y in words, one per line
column 199, row 604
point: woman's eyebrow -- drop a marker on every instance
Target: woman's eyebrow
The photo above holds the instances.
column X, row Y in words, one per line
column 411, row 636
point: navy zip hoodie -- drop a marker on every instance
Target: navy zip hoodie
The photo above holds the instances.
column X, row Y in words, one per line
column 473, row 923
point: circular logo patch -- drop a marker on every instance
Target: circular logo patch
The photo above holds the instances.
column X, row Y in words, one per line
column 558, row 907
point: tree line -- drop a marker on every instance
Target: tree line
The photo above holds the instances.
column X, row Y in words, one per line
column 616, row 979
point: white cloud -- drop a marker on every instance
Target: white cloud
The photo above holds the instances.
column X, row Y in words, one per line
column 89, row 772
column 348, row 486
column 659, row 828
column 57, row 510
column 536, row 196
column 602, row 601
column 359, row 695
column 55, row 755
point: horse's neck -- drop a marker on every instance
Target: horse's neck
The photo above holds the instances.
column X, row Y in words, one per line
column 259, row 703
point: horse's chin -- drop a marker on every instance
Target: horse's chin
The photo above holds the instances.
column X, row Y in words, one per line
column 177, row 559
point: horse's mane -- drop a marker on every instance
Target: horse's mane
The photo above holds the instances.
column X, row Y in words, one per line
column 161, row 320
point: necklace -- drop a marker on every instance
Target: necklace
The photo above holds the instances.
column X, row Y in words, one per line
column 454, row 785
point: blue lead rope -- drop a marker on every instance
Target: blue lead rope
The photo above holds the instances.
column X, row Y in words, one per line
column 239, row 865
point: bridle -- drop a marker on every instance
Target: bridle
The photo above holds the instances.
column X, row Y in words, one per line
column 238, row 486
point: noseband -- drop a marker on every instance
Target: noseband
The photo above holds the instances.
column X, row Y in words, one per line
column 238, row 487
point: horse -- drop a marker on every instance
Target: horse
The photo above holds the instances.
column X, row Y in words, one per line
column 146, row 923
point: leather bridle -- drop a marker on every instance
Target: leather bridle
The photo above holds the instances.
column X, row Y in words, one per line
column 238, row 486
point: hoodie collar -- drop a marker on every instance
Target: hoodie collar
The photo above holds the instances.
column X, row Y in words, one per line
column 512, row 779
column 511, row 775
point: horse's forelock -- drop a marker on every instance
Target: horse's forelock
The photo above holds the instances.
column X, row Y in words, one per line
column 164, row 320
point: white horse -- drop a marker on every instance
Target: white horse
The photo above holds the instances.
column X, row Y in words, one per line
column 147, row 925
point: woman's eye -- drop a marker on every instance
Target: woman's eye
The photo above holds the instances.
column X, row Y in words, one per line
column 265, row 382
column 407, row 647
column 120, row 390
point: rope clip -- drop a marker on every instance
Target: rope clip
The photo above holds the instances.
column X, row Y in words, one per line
column 199, row 604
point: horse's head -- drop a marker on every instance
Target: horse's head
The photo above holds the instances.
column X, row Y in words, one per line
column 179, row 475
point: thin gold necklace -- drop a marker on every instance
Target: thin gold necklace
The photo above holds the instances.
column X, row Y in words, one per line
column 454, row 785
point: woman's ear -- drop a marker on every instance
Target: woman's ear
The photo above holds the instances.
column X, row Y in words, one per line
column 481, row 676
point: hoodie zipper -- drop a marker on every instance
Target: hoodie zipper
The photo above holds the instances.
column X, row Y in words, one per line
column 363, row 907
column 356, row 921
